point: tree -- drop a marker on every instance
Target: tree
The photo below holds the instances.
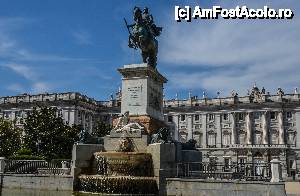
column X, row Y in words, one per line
column 10, row 138
column 47, row 135
column 102, row 129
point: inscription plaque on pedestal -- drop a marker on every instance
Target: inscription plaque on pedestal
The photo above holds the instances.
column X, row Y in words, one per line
column 135, row 94
column 142, row 90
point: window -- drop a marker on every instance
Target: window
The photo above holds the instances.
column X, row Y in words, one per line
column 226, row 139
column 225, row 116
column 241, row 116
column 211, row 117
column 212, row 163
column 211, row 139
column 272, row 115
column 226, row 163
column 211, row 126
column 242, row 161
column 256, row 115
column 258, row 137
column 289, row 115
column 197, row 117
column 182, row 117
column 170, row 118
column 7, row 114
column 291, row 138
column 18, row 113
column 198, row 138
column 197, row 126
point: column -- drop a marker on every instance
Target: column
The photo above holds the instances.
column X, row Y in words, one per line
column 219, row 130
column 203, row 128
column 281, row 128
column 190, row 126
column 264, row 122
column 233, row 129
column 176, row 124
column 249, row 128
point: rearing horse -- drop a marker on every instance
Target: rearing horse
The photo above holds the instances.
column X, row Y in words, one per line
column 143, row 38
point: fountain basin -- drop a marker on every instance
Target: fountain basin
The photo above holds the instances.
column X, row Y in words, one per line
column 123, row 164
column 118, row 184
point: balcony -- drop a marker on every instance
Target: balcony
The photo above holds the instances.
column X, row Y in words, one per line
column 258, row 146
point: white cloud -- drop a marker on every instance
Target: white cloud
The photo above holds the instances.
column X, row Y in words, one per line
column 234, row 53
column 22, row 70
column 82, row 37
column 36, row 85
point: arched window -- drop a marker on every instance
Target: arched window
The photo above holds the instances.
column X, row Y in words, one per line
column 258, row 137
column 211, row 139
column 226, row 139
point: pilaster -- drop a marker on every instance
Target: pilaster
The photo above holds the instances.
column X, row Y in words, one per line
column 219, row 130
column 233, row 128
column 176, row 126
column 264, row 121
column 281, row 128
column 190, row 126
column 249, row 128
column 203, row 119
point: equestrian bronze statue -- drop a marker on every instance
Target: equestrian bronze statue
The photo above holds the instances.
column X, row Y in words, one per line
column 142, row 35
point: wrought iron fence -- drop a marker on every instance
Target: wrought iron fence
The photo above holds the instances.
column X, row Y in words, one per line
column 55, row 167
column 246, row 171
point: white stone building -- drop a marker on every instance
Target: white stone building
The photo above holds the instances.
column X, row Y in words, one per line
column 74, row 107
column 253, row 128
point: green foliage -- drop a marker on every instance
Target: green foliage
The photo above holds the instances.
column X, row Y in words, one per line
column 25, row 154
column 24, row 151
column 10, row 138
column 102, row 129
column 26, row 157
column 47, row 135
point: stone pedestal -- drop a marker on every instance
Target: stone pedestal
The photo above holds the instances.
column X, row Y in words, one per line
column 142, row 94
column 81, row 157
column 276, row 170
column 164, row 163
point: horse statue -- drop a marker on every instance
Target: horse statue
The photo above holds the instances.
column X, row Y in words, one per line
column 142, row 35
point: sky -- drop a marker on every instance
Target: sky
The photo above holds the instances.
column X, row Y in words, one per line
column 78, row 45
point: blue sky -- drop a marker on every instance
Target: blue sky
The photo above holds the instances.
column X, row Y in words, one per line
column 77, row 45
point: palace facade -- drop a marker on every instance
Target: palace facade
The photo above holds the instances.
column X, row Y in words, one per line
column 253, row 128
